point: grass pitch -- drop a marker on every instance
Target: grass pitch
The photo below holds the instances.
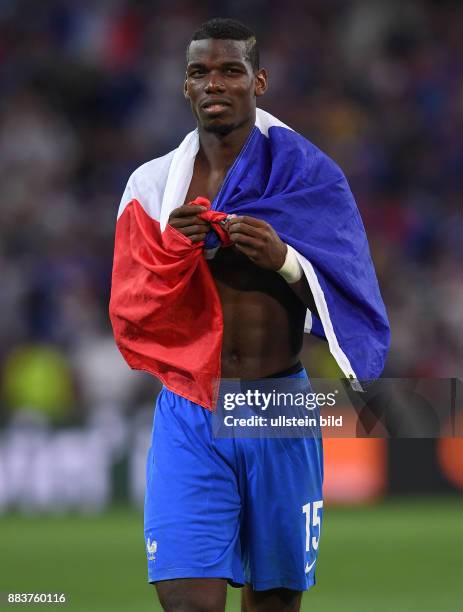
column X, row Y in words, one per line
column 403, row 555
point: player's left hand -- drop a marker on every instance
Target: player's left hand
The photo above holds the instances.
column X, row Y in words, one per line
column 258, row 240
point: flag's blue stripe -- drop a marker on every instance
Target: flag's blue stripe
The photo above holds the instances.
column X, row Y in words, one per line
column 287, row 181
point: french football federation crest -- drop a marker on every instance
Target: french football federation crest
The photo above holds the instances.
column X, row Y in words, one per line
column 151, row 548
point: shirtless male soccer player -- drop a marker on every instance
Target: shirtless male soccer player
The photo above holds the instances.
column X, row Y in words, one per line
column 263, row 314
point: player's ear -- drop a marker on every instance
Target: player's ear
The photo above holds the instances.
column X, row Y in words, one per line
column 185, row 90
column 261, row 82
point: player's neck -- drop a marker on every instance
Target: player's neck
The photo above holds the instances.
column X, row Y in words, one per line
column 219, row 151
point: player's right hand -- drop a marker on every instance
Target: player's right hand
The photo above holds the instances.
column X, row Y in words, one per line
column 185, row 219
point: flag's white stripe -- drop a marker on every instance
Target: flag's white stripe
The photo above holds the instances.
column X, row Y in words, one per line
column 308, row 322
column 179, row 177
column 147, row 185
column 264, row 121
column 322, row 307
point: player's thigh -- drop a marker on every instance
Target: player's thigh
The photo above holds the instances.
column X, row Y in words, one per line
column 192, row 502
column 283, row 513
column 192, row 594
column 273, row 600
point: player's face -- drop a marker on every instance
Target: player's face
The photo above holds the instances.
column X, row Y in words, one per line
column 221, row 85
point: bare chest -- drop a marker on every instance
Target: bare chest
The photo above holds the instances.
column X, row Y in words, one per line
column 205, row 183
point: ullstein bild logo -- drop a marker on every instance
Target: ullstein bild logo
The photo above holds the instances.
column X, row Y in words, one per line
column 283, row 421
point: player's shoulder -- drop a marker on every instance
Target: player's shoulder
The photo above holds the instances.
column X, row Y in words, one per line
column 151, row 175
column 320, row 167
column 296, row 149
column 146, row 185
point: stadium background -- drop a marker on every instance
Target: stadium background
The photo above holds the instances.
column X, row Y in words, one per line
column 90, row 90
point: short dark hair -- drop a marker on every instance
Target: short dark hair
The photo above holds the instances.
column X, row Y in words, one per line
column 229, row 29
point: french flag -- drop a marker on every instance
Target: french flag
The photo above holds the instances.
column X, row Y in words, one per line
column 164, row 308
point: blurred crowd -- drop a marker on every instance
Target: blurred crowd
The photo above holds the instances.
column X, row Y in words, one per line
column 93, row 88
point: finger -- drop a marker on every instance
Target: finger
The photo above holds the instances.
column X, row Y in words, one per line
column 249, row 230
column 197, row 237
column 187, row 221
column 194, row 229
column 248, row 251
column 243, row 239
column 252, row 221
column 187, row 210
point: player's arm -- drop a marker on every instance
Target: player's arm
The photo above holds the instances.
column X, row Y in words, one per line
column 185, row 219
column 258, row 240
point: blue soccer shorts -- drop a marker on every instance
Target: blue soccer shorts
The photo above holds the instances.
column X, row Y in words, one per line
column 244, row 509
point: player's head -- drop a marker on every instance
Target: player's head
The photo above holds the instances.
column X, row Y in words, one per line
column 223, row 77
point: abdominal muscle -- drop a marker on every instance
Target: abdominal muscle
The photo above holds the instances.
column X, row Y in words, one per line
column 263, row 318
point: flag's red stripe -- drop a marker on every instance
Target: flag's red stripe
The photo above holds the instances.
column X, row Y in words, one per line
column 164, row 308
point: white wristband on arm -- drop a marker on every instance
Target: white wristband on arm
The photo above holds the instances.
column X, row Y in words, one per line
column 291, row 270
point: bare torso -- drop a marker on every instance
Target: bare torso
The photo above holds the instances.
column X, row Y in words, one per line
column 263, row 317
